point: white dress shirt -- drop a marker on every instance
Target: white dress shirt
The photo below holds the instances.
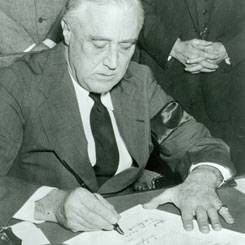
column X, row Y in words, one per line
column 85, row 104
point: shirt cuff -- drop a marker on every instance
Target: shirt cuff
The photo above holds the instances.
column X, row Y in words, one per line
column 226, row 173
column 30, row 48
column 49, row 43
column 228, row 61
column 26, row 212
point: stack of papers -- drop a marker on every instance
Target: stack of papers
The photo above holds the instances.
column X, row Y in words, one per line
column 146, row 227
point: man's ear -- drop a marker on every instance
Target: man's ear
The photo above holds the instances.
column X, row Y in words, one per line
column 66, row 31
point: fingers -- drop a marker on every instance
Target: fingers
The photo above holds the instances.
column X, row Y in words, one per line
column 203, row 216
column 187, row 218
column 202, row 219
column 225, row 213
column 195, row 60
column 95, row 218
column 211, row 56
column 79, row 224
column 106, row 204
column 100, row 212
column 205, row 57
column 163, row 198
column 203, row 66
column 84, row 211
column 194, row 68
column 214, row 219
column 209, row 65
column 199, row 43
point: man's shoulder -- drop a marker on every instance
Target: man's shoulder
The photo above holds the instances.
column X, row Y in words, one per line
column 136, row 80
column 138, row 71
column 28, row 70
column 35, row 63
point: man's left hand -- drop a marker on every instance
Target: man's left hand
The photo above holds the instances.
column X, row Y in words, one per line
column 216, row 49
column 196, row 197
column 203, row 66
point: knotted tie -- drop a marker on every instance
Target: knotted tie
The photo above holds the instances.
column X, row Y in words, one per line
column 107, row 155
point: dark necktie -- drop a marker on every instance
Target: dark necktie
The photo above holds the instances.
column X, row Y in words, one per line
column 107, row 156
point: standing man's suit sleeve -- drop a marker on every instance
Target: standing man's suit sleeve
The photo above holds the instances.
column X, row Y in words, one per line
column 234, row 36
column 33, row 30
column 182, row 141
column 13, row 41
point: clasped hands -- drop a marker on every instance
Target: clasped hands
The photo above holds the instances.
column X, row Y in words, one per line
column 81, row 210
column 199, row 55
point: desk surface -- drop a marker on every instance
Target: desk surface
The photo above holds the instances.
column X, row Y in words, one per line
column 234, row 199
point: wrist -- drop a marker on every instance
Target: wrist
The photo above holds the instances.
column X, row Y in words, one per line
column 175, row 49
column 48, row 207
column 223, row 51
column 206, row 175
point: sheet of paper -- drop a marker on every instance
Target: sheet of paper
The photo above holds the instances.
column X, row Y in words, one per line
column 240, row 185
column 26, row 212
column 155, row 227
column 29, row 234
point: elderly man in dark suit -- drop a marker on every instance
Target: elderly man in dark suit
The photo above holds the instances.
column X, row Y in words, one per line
column 83, row 119
column 197, row 53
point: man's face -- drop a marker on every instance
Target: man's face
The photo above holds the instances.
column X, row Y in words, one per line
column 101, row 44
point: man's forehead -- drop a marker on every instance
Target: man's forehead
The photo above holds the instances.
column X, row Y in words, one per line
column 109, row 22
column 94, row 12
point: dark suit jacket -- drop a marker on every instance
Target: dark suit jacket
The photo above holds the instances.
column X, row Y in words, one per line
column 40, row 128
column 216, row 99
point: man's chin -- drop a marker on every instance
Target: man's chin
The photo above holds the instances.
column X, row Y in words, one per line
column 102, row 89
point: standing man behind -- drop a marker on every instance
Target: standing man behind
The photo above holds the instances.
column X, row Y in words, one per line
column 197, row 53
column 83, row 118
column 28, row 25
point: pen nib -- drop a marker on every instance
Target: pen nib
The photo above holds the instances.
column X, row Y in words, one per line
column 117, row 228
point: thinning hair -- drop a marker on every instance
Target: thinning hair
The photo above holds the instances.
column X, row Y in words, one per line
column 73, row 7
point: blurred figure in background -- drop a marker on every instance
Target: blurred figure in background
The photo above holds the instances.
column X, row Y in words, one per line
column 28, row 25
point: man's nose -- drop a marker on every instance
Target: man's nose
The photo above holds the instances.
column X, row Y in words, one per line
column 111, row 59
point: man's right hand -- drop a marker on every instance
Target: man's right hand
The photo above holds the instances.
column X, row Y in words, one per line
column 188, row 50
column 77, row 210
column 192, row 54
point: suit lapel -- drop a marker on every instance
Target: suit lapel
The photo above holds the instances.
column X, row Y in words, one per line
column 120, row 181
column 129, row 110
column 62, row 122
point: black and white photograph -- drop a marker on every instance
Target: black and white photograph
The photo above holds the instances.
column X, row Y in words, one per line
column 122, row 122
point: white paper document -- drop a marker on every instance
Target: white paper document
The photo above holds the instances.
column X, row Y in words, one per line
column 26, row 212
column 155, row 227
column 240, row 185
column 29, row 234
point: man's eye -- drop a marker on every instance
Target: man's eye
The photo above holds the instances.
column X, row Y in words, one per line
column 99, row 44
column 126, row 46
